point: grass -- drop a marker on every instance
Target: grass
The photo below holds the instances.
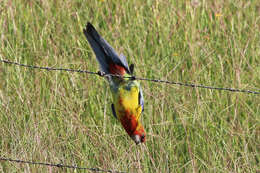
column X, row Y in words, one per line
column 62, row 117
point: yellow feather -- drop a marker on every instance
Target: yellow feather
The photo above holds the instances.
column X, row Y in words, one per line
column 127, row 99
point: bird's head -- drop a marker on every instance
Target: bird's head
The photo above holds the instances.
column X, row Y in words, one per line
column 139, row 135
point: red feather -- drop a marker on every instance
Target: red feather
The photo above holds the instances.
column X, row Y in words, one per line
column 116, row 69
column 129, row 123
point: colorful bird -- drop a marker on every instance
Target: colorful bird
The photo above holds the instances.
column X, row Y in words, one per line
column 128, row 102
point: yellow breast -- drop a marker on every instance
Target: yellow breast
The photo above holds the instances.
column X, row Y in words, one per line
column 128, row 98
column 126, row 101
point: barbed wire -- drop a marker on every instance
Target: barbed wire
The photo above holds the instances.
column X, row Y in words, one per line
column 102, row 74
column 58, row 165
column 47, row 68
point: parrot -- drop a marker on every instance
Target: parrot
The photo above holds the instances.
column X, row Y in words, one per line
column 127, row 95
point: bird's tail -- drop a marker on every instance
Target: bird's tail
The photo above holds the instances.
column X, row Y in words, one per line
column 109, row 61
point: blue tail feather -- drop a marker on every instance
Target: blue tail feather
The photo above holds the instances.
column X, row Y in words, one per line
column 104, row 52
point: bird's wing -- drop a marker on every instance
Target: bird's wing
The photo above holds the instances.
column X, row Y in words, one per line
column 109, row 60
column 113, row 110
column 141, row 98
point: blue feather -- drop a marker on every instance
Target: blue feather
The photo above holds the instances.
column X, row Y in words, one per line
column 113, row 110
column 104, row 52
column 141, row 98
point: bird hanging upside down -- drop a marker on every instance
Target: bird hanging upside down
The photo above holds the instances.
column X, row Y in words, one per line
column 128, row 102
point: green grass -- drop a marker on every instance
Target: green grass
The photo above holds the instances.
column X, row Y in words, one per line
column 62, row 117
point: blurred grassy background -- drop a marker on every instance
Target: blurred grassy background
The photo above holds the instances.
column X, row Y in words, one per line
column 63, row 117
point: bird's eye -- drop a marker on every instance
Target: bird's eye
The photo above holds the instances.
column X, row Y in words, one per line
column 142, row 137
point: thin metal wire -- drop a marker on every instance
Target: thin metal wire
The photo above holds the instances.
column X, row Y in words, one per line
column 58, row 165
column 47, row 68
column 102, row 74
column 200, row 86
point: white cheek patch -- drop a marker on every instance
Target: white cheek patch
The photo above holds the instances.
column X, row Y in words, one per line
column 136, row 138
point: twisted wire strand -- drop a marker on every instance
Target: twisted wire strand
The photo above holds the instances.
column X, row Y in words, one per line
column 57, row 165
column 102, row 74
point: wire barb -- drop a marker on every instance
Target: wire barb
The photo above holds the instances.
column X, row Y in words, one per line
column 102, row 74
column 57, row 165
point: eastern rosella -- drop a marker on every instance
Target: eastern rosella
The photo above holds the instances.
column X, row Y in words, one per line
column 128, row 103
